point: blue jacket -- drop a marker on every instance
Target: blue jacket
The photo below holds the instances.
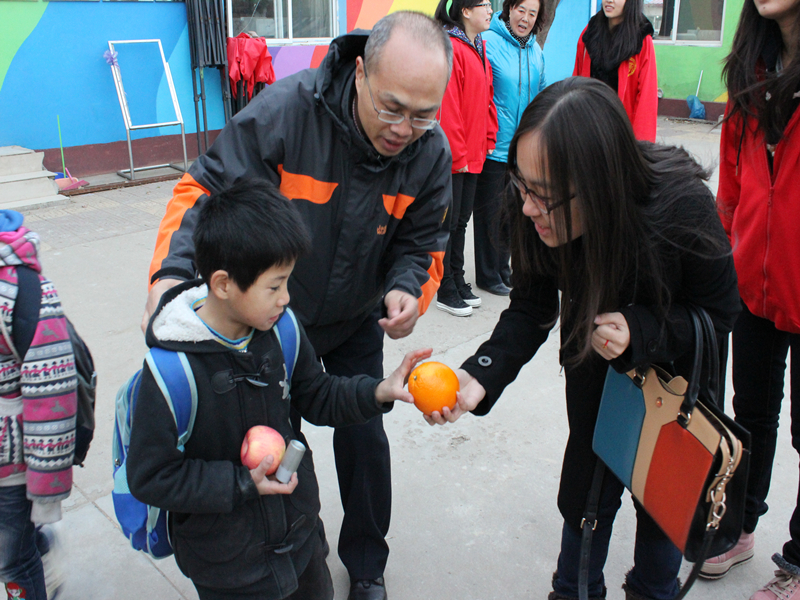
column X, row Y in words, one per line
column 518, row 76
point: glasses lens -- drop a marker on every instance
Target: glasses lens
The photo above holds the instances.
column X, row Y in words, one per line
column 390, row 117
column 423, row 123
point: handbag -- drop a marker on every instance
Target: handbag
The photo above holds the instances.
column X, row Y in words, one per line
column 679, row 455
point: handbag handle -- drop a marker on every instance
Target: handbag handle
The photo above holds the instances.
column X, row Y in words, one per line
column 703, row 332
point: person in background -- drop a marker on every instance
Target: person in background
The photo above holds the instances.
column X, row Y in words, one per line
column 518, row 74
column 469, row 119
column 617, row 48
column 39, row 401
column 613, row 238
column 759, row 204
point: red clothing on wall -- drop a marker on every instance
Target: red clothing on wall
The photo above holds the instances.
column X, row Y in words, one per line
column 249, row 60
column 468, row 114
column 637, row 88
column 761, row 215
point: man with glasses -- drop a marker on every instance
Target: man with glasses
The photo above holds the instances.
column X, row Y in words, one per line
column 368, row 167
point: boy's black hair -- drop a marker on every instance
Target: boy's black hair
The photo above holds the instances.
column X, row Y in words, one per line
column 246, row 230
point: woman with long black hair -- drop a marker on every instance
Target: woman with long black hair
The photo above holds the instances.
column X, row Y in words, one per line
column 617, row 48
column 759, row 204
column 628, row 232
column 469, row 120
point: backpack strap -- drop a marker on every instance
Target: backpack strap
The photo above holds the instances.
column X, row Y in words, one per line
column 288, row 332
column 175, row 379
column 25, row 318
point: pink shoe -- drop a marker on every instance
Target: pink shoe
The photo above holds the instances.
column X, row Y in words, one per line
column 782, row 587
column 718, row 566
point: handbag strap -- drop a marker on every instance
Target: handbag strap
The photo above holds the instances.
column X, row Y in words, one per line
column 588, row 525
column 700, row 323
column 708, row 538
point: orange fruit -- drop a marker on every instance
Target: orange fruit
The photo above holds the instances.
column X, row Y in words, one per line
column 434, row 386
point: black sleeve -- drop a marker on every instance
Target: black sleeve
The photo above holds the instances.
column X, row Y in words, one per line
column 160, row 475
column 523, row 327
column 324, row 399
column 708, row 280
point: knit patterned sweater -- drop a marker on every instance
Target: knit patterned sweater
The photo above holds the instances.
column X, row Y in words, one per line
column 37, row 397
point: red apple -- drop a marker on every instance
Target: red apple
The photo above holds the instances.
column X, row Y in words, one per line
column 261, row 441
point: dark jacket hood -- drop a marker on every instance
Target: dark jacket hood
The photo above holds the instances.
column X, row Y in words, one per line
column 176, row 326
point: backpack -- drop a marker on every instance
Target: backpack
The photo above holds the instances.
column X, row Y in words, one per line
column 146, row 526
column 24, row 322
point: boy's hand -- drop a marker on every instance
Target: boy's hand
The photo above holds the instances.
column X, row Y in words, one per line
column 391, row 388
column 271, row 486
column 153, row 298
column 467, row 398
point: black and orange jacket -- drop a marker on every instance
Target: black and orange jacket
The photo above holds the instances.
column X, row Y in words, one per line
column 375, row 221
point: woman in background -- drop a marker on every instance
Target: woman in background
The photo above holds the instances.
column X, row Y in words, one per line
column 469, row 119
column 617, row 48
column 759, row 204
column 518, row 75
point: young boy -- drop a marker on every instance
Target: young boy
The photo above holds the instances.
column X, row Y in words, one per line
column 235, row 532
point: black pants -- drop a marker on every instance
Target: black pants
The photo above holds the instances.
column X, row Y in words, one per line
column 759, row 367
column 491, row 240
column 464, row 185
column 363, row 463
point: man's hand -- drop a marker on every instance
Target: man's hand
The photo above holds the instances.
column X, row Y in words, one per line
column 468, row 398
column 611, row 337
column 268, row 486
column 158, row 289
column 403, row 311
column 391, row 388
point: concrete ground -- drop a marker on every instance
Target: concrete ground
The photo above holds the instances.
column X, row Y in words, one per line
column 474, row 514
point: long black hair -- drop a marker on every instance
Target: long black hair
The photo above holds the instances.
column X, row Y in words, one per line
column 541, row 16
column 626, row 193
column 758, row 39
column 454, row 17
column 609, row 47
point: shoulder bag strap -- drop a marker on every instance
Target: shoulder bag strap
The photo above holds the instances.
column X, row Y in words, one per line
column 588, row 525
column 27, row 305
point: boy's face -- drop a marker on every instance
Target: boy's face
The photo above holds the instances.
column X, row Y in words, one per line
column 262, row 304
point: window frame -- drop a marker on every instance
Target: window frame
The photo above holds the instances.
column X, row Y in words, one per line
column 674, row 41
column 291, row 40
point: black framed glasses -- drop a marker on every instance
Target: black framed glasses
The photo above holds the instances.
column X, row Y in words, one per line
column 395, row 118
column 543, row 203
column 483, row 5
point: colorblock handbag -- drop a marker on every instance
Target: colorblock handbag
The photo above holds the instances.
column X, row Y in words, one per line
column 679, row 455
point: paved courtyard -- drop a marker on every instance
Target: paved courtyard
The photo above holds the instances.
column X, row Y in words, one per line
column 474, row 514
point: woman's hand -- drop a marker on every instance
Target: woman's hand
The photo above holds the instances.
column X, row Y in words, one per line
column 611, row 337
column 467, row 399
column 391, row 388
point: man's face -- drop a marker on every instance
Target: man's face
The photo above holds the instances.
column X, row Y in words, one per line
column 409, row 80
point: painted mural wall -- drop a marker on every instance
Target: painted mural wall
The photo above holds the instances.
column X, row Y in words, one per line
column 51, row 64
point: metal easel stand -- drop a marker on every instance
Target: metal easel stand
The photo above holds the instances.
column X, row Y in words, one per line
column 130, row 174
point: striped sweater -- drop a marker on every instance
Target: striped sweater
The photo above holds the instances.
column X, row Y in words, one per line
column 37, row 396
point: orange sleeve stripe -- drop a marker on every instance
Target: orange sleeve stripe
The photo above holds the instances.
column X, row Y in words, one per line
column 397, row 205
column 429, row 289
column 305, row 187
column 184, row 197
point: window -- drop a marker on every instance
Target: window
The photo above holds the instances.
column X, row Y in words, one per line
column 686, row 21
column 284, row 20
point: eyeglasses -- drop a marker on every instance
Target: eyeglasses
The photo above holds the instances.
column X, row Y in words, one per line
column 484, row 5
column 394, row 118
column 543, row 203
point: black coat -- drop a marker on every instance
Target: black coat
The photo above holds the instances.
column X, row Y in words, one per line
column 225, row 535
column 709, row 282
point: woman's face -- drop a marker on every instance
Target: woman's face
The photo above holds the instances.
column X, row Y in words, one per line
column 522, row 18
column 478, row 18
column 778, row 10
column 532, row 172
column 614, row 10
